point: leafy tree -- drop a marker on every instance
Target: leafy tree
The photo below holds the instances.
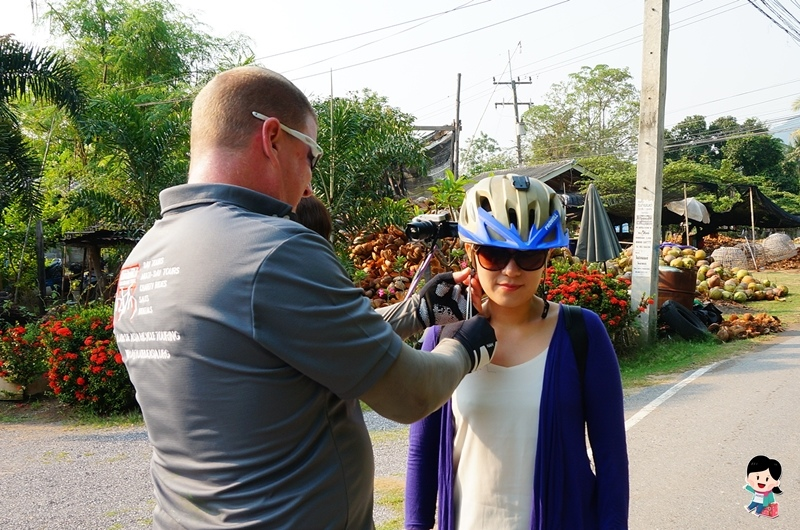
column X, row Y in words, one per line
column 595, row 112
column 484, row 154
column 138, row 150
column 138, row 42
column 370, row 150
column 143, row 61
column 615, row 180
column 758, row 153
column 688, row 141
column 747, row 147
column 28, row 73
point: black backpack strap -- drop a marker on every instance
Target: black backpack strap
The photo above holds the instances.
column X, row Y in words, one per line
column 576, row 327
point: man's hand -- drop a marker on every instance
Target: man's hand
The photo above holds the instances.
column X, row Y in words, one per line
column 443, row 299
column 476, row 336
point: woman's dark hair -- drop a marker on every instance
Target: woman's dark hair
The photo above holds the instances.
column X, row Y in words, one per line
column 762, row 463
column 312, row 213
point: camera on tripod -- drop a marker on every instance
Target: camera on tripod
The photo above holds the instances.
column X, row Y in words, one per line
column 431, row 226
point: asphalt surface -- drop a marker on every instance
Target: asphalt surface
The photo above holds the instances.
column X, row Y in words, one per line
column 55, row 477
column 688, row 446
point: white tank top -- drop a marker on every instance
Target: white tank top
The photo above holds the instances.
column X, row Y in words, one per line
column 496, row 413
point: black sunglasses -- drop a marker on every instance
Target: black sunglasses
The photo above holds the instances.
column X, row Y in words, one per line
column 496, row 258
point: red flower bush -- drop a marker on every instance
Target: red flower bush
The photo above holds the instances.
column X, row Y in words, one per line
column 23, row 360
column 85, row 365
column 591, row 288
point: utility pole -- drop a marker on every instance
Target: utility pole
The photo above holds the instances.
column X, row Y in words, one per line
column 650, row 162
column 519, row 127
column 457, row 130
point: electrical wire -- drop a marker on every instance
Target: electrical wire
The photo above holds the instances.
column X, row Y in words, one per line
column 369, row 43
column 611, row 47
column 415, row 48
column 339, row 39
column 777, row 9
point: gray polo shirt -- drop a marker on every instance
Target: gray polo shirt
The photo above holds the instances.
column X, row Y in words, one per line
column 248, row 344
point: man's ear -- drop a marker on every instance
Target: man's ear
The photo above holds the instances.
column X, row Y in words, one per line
column 270, row 130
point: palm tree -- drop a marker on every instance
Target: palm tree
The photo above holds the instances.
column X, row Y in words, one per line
column 794, row 154
column 34, row 74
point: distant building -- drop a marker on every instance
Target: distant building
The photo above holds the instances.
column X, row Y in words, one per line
column 564, row 176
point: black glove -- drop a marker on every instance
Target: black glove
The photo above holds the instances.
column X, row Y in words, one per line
column 442, row 301
column 476, row 335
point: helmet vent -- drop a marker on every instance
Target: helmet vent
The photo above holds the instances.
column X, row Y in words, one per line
column 485, row 204
column 512, row 217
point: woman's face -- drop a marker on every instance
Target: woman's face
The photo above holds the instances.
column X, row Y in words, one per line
column 511, row 286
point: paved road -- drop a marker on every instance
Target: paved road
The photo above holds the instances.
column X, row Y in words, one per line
column 689, row 455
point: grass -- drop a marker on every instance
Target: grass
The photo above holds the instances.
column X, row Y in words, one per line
column 655, row 362
column 390, row 493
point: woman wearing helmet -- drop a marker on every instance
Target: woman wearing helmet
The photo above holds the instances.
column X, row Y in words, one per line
column 508, row 451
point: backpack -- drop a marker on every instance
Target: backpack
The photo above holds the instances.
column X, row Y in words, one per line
column 576, row 327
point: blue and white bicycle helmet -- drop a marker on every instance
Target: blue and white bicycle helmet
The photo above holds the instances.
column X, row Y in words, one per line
column 513, row 211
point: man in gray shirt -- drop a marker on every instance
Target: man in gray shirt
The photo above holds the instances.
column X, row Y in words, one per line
column 248, row 344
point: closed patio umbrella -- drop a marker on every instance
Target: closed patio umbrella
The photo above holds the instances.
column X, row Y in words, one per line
column 597, row 239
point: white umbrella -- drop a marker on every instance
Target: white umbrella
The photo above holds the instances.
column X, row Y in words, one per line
column 696, row 209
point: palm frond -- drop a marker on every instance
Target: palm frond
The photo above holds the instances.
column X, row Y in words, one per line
column 29, row 72
column 19, row 171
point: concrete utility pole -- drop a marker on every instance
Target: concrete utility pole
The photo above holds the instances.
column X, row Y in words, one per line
column 457, row 131
column 647, row 219
column 519, row 127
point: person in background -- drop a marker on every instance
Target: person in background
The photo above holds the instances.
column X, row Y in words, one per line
column 508, row 450
column 247, row 343
column 312, row 213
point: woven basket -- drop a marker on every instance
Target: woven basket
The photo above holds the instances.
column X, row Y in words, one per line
column 754, row 253
column 730, row 257
column 779, row 247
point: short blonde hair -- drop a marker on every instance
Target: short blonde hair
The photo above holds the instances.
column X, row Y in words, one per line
column 222, row 111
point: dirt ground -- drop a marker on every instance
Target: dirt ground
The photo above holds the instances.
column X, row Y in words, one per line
column 38, row 410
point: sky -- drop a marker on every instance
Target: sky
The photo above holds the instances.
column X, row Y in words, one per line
column 725, row 58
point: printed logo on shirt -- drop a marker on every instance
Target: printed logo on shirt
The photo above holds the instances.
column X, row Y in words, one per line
column 125, row 299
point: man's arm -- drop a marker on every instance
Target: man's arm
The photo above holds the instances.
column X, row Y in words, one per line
column 403, row 316
column 442, row 300
column 419, row 382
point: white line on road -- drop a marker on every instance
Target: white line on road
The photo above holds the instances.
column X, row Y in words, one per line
column 650, row 407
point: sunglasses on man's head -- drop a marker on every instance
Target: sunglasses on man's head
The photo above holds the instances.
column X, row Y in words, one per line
column 496, row 258
column 315, row 151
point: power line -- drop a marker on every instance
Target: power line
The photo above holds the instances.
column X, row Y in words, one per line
column 371, row 42
column 339, row 39
column 780, row 12
column 609, row 48
column 401, row 52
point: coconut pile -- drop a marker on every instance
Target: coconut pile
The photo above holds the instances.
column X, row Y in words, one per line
column 746, row 326
column 388, row 261
column 714, row 282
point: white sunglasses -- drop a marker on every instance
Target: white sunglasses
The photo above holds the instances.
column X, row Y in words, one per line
column 316, row 150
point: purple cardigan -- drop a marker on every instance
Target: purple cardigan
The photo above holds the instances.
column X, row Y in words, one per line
column 566, row 493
